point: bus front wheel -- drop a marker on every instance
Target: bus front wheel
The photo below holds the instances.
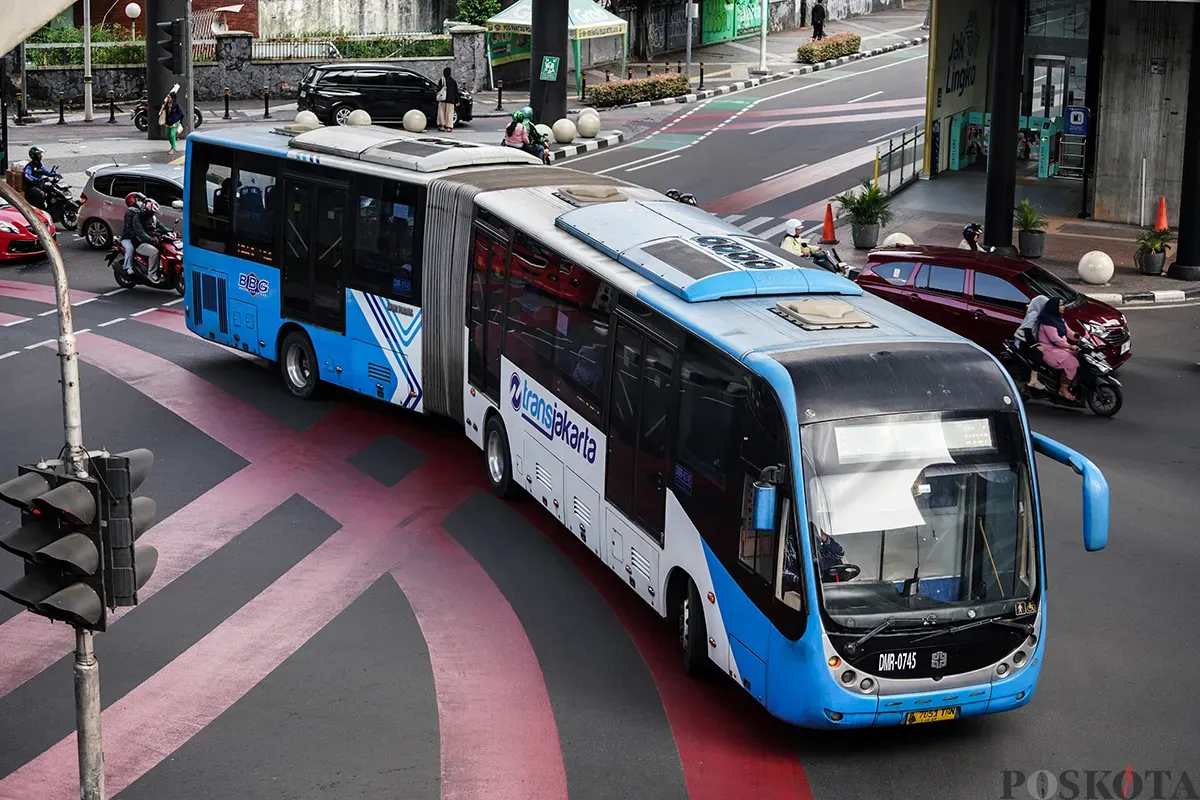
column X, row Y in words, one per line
column 299, row 365
column 693, row 635
column 499, row 458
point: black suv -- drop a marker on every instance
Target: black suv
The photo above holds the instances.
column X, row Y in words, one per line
column 386, row 92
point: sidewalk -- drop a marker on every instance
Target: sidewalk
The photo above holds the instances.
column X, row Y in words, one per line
column 734, row 65
column 923, row 212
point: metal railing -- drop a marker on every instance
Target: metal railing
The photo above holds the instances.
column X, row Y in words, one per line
column 898, row 162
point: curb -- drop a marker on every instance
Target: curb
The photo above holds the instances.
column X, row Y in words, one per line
column 599, row 143
column 775, row 76
column 1146, row 298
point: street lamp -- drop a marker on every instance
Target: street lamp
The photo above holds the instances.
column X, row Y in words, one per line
column 133, row 11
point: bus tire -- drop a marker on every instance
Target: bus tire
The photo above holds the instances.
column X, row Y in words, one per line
column 693, row 633
column 298, row 364
column 498, row 458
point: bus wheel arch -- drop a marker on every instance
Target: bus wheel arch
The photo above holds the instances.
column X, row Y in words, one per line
column 297, row 361
column 686, row 609
column 497, row 454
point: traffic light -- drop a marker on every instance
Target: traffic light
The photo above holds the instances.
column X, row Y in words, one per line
column 60, row 540
column 174, row 45
column 78, row 536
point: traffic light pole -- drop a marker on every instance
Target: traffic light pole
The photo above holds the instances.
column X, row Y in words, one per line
column 87, row 671
column 189, row 102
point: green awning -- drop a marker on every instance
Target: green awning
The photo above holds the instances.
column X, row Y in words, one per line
column 585, row 20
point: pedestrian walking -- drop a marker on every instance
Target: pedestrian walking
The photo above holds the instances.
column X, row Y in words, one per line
column 447, row 99
column 818, row 21
column 170, row 116
column 925, row 24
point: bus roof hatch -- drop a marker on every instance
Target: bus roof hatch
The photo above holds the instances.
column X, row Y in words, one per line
column 694, row 255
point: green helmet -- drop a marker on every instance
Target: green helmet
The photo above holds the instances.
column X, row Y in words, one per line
column 35, row 151
column 518, row 116
column 528, row 112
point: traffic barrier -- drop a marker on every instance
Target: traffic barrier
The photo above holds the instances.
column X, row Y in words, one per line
column 112, row 108
column 499, row 95
column 62, row 119
column 266, row 102
column 1160, row 223
column 827, row 235
column 226, row 103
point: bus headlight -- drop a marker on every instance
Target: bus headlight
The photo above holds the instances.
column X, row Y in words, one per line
column 848, row 677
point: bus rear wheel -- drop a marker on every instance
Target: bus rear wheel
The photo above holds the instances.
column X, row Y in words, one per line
column 299, row 365
column 693, row 634
column 498, row 457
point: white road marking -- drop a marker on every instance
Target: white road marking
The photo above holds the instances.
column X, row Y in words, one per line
column 114, row 291
column 111, row 322
column 785, row 172
column 771, row 233
column 48, row 313
column 756, row 223
column 888, row 135
column 15, row 322
column 143, row 311
column 10, row 354
column 769, row 127
column 173, row 302
column 865, row 97
column 85, row 302
column 85, row 330
column 732, row 218
column 653, row 163
column 40, row 344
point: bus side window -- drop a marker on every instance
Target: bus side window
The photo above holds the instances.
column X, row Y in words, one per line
column 212, row 189
column 762, row 446
column 387, row 248
column 253, row 211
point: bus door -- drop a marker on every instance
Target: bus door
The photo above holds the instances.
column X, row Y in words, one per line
column 313, row 265
column 489, row 259
column 639, row 461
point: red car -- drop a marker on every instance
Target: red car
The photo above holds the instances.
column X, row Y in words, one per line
column 16, row 239
column 983, row 297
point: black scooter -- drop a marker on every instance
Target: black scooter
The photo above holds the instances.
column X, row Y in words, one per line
column 141, row 119
column 58, row 201
column 1094, row 386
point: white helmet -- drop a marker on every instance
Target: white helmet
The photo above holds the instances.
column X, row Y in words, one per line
column 792, row 227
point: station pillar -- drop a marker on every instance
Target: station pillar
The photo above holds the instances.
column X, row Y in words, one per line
column 1008, row 49
column 1187, row 257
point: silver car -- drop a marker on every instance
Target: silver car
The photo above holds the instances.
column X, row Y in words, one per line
column 102, row 215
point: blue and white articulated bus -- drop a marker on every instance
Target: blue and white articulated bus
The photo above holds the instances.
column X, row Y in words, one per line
column 832, row 500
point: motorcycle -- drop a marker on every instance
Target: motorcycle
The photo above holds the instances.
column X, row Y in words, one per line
column 58, row 201
column 141, row 116
column 1094, row 386
column 687, row 198
column 823, row 260
column 170, row 265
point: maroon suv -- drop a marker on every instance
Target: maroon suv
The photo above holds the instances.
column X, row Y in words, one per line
column 983, row 297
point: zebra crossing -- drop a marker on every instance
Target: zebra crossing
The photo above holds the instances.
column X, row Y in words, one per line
column 758, row 225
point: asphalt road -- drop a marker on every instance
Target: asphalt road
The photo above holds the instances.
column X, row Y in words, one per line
column 342, row 610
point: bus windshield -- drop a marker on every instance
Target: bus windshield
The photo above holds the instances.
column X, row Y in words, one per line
column 914, row 514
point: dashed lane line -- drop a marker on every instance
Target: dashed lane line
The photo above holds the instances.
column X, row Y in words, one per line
column 106, row 324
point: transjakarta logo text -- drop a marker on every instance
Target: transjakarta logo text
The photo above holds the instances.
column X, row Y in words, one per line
column 550, row 419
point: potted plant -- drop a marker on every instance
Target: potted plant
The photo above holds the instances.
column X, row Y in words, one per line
column 1031, row 229
column 1152, row 249
column 868, row 209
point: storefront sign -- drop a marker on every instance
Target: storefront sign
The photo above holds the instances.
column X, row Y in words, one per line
column 961, row 70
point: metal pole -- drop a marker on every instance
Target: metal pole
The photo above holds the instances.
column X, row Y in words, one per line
column 87, row 62
column 24, row 73
column 3, row 118
column 762, row 41
column 189, row 94
column 87, row 718
column 691, row 14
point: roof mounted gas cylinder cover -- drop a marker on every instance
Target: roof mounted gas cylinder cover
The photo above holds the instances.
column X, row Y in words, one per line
column 586, row 195
column 822, row 314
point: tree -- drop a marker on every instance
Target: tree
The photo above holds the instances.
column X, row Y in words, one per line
column 477, row 12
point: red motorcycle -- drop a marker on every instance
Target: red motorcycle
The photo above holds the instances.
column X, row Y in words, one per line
column 170, row 265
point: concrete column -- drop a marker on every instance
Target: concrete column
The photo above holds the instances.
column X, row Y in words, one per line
column 1008, row 49
column 1187, row 263
column 548, row 98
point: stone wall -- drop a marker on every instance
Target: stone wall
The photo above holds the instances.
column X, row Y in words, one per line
column 245, row 78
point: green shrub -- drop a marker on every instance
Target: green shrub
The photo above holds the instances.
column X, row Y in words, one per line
column 393, row 48
column 67, row 56
column 619, row 93
column 843, row 44
column 477, row 12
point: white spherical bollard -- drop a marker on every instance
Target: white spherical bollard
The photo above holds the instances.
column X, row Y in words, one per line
column 564, row 131
column 897, row 238
column 308, row 119
column 588, row 112
column 1096, row 268
column 545, row 131
column 588, row 125
column 358, row 117
column 414, row 121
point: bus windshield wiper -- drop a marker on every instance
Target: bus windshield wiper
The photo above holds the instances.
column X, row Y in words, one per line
column 853, row 648
column 1022, row 626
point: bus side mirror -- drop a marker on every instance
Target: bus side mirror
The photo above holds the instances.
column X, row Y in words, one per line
column 1095, row 490
column 763, row 506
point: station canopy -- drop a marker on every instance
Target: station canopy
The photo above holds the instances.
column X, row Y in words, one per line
column 585, row 20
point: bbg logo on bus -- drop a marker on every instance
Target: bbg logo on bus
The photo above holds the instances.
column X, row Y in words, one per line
column 253, row 284
column 551, row 420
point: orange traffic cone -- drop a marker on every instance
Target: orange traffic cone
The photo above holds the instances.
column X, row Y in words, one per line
column 827, row 236
column 1160, row 224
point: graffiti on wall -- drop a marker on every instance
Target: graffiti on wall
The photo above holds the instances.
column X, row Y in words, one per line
column 841, row 9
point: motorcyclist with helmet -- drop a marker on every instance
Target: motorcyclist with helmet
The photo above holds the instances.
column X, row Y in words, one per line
column 517, row 135
column 146, row 231
column 535, row 136
column 35, row 177
column 134, row 202
column 971, row 236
